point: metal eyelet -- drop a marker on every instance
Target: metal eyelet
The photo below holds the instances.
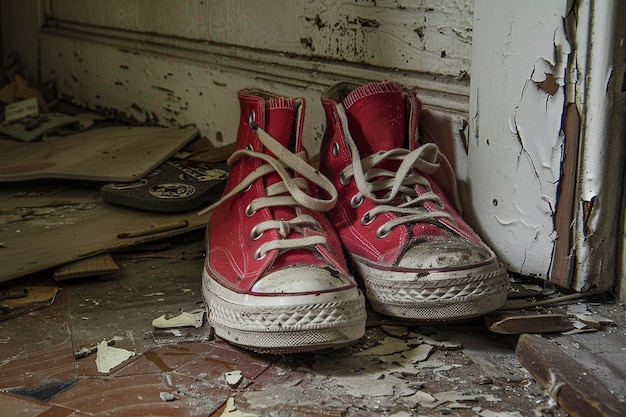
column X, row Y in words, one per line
column 258, row 256
column 335, row 149
column 356, row 201
column 249, row 148
column 249, row 212
column 367, row 219
column 254, row 234
column 380, row 233
column 343, row 180
column 252, row 120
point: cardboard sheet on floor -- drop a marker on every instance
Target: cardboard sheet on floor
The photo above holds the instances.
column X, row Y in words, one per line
column 73, row 225
column 111, row 154
column 88, row 267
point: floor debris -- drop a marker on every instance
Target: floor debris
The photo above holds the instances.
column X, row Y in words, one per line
column 184, row 319
column 233, row 378
column 461, row 370
column 31, row 298
column 167, row 396
column 527, row 322
column 82, row 352
column 108, row 357
column 568, row 381
column 231, row 410
column 116, row 153
column 92, row 266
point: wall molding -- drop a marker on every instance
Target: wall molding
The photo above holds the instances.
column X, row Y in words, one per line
column 446, row 94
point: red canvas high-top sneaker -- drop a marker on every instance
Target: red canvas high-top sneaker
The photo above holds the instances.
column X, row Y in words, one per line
column 403, row 233
column 275, row 279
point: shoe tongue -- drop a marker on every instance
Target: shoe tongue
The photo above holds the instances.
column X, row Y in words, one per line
column 280, row 114
column 375, row 115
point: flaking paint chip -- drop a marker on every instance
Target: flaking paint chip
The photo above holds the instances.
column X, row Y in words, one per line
column 231, row 410
column 184, row 319
column 389, row 346
column 418, row 354
column 109, row 357
column 233, row 378
column 397, row 331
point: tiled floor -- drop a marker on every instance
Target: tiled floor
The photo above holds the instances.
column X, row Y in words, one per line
column 395, row 370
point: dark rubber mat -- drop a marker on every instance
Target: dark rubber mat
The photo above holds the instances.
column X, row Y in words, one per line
column 172, row 187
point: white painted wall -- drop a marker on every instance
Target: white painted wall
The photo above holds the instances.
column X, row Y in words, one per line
column 516, row 141
column 183, row 62
column 401, row 34
column 515, row 138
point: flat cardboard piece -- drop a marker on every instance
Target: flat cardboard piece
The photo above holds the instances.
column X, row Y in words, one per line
column 20, row 89
column 112, row 154
column 31, row 128
column 36, row 297
column 95, row 265
column 39, row 233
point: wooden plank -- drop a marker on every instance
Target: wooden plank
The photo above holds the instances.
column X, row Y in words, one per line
column 518, row 322
column 75, row 224
column 560, row 273
column 569, row 382
column 112, row 154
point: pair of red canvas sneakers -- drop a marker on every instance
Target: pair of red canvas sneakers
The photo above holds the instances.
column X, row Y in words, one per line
column 276, row 278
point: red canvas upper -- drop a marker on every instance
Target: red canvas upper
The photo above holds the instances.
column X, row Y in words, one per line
column 380, row 117
column 230, row 249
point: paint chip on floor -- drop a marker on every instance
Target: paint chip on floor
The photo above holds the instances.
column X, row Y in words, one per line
column 109, row 357
column 184, row 319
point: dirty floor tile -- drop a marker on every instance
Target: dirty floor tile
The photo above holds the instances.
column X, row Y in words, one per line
column 163, row 394
column 37, row 347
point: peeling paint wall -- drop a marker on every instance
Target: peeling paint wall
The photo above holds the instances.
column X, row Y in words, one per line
column 599, row 87
column 425, row 36
column 535, row 96
column 173, row 63
column 519, row 66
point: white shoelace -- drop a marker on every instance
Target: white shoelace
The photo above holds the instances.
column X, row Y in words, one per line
column 291, row 191
column 400, row 196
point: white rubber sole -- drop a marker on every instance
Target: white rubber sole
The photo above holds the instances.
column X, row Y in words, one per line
column 435, row 296
column 283, row 323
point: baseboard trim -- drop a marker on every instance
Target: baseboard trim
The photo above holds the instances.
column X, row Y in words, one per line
column 442, row 93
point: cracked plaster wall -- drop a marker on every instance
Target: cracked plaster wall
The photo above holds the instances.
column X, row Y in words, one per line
column 516, row 142
column 174, row 63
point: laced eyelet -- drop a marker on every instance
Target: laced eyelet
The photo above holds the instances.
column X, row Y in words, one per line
column 258, row 256
column 367, row 219
column 249, row 212
column 356, row 201
column 252, row 120
column 248, row 158
column 254, row 234
column 343, row 180
column 335, row 149
column 381, row 233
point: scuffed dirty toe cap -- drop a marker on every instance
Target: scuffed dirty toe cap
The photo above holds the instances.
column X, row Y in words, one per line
column 302, row 279
column 443, row 254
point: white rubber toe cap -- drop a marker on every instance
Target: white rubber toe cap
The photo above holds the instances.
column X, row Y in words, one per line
column 443, row 255
column 301, row 279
